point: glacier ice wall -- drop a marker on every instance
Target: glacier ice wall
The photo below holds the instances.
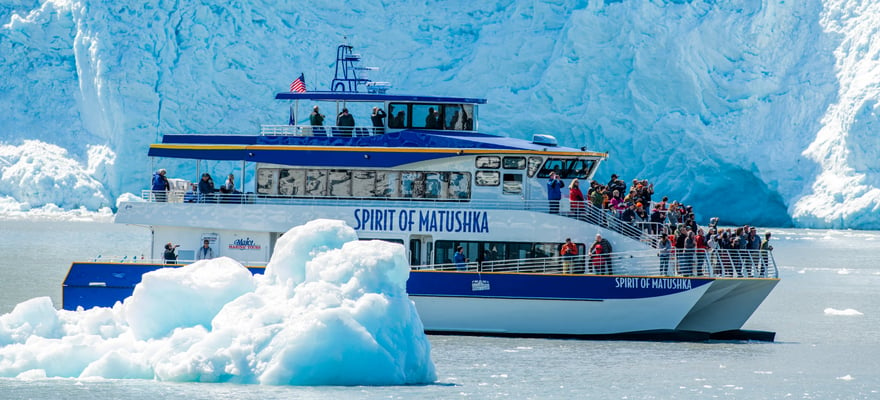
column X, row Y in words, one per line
column 755, row 111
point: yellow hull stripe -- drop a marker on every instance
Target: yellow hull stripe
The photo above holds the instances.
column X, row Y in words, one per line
column 377, row 149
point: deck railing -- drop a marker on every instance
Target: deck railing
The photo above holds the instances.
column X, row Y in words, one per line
column 645, row 232
column 308, row 130
column 715, row 263
column 701, row 262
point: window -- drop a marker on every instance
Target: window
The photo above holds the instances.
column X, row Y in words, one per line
column 427, row 116
column 292, row 182
column 339, row 183
column 567, row 168
column 513, row 184
column 488, row 162
column 266, row 178
column 316, row 182
column 363, row 183
column 459, row 185
column 412, row 185
column 439, row 185
column 387, row 184
column 487, row 178
column 398, row 115
column 435, row 182
column 514, row 162
column 534, row 164
column 459, row 117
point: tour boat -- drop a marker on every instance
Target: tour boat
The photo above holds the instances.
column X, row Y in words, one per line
column 428, row 178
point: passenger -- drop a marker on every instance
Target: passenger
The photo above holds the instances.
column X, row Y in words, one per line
column 665, row 248
column 568, row 253
column 657, row 218
column 432, row 121
column 378, row 118
column 597, row 262
column 459, row 259
column 598, row 199
column 766, row 248
column 554, row 192
column 618, row 206
column 398, row 121
column 160, row 186
column 206, row 185
column 205, row 252
column 629, row 215
column 170, row 255
column 346, row 122
column 191, row 195
column 229, row 185
column 616, row 184
column 687, row 258
column 316, row 118
column 576, row 198
column 455, row 123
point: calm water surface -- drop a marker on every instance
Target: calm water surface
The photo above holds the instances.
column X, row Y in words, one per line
column 817, row 355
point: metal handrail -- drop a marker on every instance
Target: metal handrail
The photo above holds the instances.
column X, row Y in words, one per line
column 143, row 260
column 713, row 263
column 325, row 130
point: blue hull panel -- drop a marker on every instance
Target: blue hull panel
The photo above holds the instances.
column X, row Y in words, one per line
column 103, row 284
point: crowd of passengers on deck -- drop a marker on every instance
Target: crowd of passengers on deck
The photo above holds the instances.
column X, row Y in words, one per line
column 685, row 247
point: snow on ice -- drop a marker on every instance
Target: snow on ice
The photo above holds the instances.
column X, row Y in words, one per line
column 330, row 310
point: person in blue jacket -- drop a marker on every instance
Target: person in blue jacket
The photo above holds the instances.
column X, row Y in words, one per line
column 459, row 259
column 160, row 185
column 554, row 192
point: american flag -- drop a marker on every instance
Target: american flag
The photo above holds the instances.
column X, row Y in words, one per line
column 299, row 84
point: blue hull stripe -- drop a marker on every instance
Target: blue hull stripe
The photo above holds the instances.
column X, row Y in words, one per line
column 89, row 285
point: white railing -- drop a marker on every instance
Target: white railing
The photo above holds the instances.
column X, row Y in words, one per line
column 708, row 263
column 140, row 259
column 646, row 232
column 308, row 130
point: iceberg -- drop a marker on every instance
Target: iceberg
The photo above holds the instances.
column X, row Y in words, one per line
column 329, row 310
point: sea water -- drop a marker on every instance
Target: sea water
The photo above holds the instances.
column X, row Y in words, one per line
column 825, row 312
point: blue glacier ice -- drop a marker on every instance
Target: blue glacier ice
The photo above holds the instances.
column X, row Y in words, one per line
column 759, row 112
column 329, row 310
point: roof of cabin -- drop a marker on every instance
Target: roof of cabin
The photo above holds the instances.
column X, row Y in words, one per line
column 388, row 150
column 375, row 97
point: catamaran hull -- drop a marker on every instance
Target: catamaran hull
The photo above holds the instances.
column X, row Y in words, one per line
column 523, row 305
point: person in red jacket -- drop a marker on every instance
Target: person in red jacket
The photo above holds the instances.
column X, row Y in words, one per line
column 576, row 198
column 568, row 252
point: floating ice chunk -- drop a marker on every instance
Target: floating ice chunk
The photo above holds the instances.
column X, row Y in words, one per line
column 847, row 313
column 335, row 312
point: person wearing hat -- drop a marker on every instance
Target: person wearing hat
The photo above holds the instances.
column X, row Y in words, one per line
column 170, row 255
column 160, row 186
column 554, row 192
column 568, row 252
column 316, row 118
column 345, row 121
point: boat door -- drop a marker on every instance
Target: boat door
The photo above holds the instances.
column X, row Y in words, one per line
column 421, row 250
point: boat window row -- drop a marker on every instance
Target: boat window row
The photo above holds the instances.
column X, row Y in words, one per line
column 567, row 168
column 309, row 182
column 481, row 251
column 459, row 117
column 511, row 183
